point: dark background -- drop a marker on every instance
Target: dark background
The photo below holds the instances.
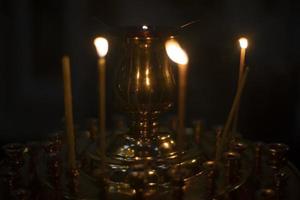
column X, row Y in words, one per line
column 35, row 34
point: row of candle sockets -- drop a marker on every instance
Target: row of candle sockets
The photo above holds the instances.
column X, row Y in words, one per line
column 270, row 156
column 269, row 174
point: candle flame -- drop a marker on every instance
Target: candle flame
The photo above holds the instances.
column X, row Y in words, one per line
column 243, row 43
column 144, row 27
column 175, row 52
column 101, row 45
column 151, row 172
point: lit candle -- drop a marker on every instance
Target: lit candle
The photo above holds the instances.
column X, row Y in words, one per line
column 243, row 44
column 225, row 137
column 69, row 111
column 179, row 56
column 101, row 45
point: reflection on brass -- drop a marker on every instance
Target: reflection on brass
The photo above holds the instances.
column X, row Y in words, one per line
column 198, row 129
column 277, row 154
column 238, row 146
column 232, row 164
column 266, row 194
column 210, row 168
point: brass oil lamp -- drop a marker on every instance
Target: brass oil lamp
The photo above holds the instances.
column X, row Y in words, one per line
column 145, row 160
column 144, row 87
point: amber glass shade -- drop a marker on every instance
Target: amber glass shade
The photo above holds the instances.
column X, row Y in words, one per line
column 144, row 81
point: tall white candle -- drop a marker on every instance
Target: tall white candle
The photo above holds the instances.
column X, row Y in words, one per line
column 225, row 137
column 182, row 68
column 69, row 111
column 101, row 45
column 179, row 56
column 243, row 44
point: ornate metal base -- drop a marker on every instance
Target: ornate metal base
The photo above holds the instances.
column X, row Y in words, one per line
column 255, row 173
column 137, row 164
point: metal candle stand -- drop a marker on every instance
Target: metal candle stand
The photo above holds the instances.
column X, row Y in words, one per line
column 146, row 161
column 227, row 179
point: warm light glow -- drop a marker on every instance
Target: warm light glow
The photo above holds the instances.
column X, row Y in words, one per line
column 147, row 81
column 101, row 45
column 175, row 52
column 147, row 77
column 151, row 172
column 144, row 27
column 166, row 145
column 243, row 43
